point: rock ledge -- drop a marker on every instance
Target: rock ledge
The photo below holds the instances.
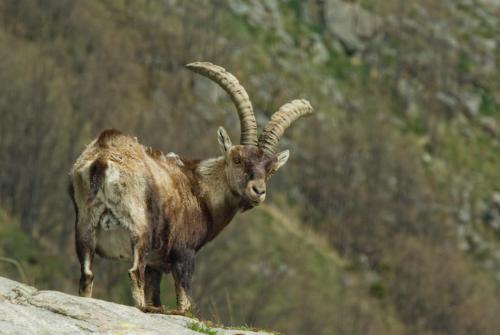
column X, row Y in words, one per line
column 26, row 310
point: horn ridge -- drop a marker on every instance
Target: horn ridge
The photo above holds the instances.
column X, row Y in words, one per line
column 280, row 121
column 237, row 93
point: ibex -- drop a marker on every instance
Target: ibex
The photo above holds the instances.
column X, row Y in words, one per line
column 137, row 204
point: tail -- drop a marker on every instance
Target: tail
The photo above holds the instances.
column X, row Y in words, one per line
column 97, row 173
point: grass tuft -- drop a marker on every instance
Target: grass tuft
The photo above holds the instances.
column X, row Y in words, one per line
column 201, row 328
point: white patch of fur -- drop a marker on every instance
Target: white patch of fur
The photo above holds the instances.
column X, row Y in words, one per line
column 176, row 157
column 112, row 174
column 86, row 266
column 208, row 166
column 172, row 155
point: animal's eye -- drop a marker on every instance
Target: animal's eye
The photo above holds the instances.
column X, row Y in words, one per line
column 269, row 165
column 237, row 160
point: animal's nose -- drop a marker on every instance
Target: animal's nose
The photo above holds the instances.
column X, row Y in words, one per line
column 259, row 190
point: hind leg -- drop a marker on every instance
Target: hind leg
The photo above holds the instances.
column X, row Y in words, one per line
column 137, row 272
column 85, row 249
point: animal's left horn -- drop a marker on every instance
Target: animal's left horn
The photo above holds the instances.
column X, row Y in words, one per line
column 239, row 96
column 280, row 121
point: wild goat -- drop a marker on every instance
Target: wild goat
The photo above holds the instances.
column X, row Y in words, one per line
column 134, row 203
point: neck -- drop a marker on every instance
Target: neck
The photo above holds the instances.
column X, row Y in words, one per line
column 221, row 202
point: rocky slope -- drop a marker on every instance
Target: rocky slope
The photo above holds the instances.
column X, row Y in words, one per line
column 395, row 177
column 26, row 310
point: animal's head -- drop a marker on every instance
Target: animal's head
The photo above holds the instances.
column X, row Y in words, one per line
column 248, row 167
column 251, row 163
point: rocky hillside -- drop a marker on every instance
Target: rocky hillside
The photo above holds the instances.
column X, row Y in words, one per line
column 26, row 310
column 386, row 219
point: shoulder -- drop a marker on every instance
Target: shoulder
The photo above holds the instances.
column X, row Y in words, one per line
column 110, row 136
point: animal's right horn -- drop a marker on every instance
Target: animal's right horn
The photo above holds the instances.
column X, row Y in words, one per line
column 280, row 121
column 238, row 95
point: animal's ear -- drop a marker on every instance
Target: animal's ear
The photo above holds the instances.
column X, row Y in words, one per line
column 282, row 158
column 224, row 140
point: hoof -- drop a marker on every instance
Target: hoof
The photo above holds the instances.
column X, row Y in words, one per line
column 178, row 312
column 153, row 309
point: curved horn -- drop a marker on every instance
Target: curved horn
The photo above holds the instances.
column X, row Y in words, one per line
column 280, row 121
column 238, row 95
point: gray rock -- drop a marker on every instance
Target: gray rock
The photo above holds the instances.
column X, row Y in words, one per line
column 264, row 14
column 472, row 102
column 26, row 310
column 350, row 23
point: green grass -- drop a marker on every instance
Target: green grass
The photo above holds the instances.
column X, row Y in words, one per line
column 201, row 328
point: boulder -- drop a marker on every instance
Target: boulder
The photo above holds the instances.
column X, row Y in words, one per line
column 26, row 310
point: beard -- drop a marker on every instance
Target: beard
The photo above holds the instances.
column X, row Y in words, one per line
column 247, row 204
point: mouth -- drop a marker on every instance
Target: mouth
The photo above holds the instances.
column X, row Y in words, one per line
column 256, row 200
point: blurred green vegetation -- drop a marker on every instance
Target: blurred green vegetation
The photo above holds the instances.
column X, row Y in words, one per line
column 386, row 219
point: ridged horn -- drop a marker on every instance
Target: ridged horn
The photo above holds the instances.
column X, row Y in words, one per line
column 280, row 121
column 239, row 96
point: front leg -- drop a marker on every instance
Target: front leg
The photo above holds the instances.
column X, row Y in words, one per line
column 182, row 271
column 152, row 290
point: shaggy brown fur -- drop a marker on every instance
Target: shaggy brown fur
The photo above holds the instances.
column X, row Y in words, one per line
column 135, row 203
column 170, row 207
